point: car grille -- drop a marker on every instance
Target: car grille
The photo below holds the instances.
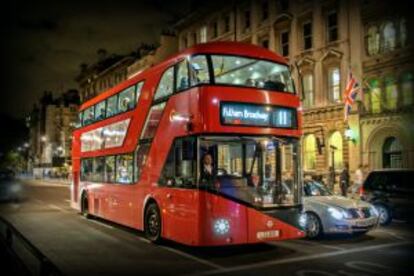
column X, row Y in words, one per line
column 360, row 213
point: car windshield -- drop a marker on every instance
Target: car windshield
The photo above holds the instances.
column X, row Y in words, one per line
column 250, row 72
column 313, row 188
column 260, row 171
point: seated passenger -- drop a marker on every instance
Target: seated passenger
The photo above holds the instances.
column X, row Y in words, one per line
column 183, row 83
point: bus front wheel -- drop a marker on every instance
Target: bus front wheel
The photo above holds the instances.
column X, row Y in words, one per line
column 153, row 223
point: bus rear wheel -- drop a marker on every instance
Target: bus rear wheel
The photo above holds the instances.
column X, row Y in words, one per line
column 153, row 223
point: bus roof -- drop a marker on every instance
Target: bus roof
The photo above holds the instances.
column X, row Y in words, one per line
column 218, row 47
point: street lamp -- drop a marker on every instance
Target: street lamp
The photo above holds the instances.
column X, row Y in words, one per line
column 43, row 138
column 349, row 134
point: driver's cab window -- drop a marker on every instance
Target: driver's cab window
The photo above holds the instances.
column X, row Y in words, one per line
column 180, row 167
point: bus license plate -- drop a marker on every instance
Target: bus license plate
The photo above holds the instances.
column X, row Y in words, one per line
column 267, row 234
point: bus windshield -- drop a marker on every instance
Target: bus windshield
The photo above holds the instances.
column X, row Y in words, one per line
column 250, row 72
column 260, row 171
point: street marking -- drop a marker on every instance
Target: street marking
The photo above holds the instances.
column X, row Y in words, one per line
column 38, row 201
column 52, row 206
column 318, row 244
column 67, row 200
column 202, row 261
column 303, row 258
column 392, row 234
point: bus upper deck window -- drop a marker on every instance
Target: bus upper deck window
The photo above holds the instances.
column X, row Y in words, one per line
column 199, row 70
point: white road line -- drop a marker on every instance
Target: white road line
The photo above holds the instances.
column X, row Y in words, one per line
column 57, row 208
column 202, row 261
column 316, row 244
column 38, row 201
column 302, row 258
column 67, row 200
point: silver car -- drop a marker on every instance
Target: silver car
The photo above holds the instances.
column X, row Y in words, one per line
column 328, row 213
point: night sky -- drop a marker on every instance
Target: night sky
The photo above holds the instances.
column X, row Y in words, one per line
column 44, row 42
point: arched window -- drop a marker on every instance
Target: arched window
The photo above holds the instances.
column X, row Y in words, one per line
column 375, row 95
column 309, row 152
column 308, row 90
column 335, row 146
column 389, row 36
column 403, row 32
column 407, row 88
column 373, row 40
column 391, row 93
column 334, row 84
column 392, row 153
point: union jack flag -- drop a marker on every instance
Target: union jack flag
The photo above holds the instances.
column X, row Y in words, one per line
column 350, row 94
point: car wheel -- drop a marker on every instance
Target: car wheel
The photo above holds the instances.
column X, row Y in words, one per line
column 85, row 206
column 153, row 223
column 384, row 213
column 313, row 226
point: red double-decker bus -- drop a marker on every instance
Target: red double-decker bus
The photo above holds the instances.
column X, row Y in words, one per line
column 202, row 149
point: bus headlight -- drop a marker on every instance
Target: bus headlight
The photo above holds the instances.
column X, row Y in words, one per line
column 302, row 220
column 221, row 226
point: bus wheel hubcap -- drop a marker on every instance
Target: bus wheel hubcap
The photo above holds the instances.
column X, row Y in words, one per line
column 153, row 224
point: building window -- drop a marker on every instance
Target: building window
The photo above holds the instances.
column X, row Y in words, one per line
column 283, row 5
column 265, row 10
column 284, row 43
column 307, row 35
column 194, row 38
column 391, row 93
column 309, row 152
column 403, row 32
column 392, row 153
column 246, row 20
column 375, row 95
column 335, row 142
column 308, row 90
column 407, row 88
column 214, row 29
column 332, row 26
column 389, row 36
column 334, row 84
column 203, row 34
column 226, row 21
column 264, row 42
column 373, row 40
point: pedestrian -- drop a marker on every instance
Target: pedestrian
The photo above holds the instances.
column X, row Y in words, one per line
column 331, row 179
column 358, row 179
column 344, row 180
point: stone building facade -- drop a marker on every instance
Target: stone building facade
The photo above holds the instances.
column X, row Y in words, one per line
column 324, row 41
column 50, row 129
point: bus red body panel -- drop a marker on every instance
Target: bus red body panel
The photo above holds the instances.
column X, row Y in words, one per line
column 190, row 216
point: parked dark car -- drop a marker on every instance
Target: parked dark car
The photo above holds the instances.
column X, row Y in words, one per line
column 10, row 188
column 391, row 191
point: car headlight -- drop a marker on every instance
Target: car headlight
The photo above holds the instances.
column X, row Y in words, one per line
column 221, row 226
column 338, row 214
column 302, row 220
column 373, row 211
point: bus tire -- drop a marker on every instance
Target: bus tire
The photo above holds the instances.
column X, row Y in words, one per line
column 152, row 226
column 85, row 206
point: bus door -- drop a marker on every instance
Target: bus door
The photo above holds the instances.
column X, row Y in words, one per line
column 180, row 196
